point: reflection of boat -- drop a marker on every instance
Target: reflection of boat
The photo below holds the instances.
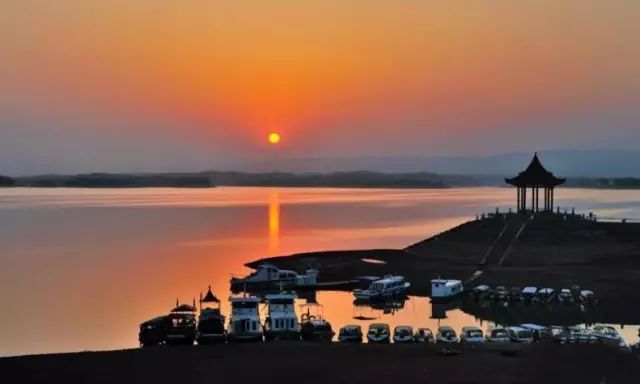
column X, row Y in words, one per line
column 424, row 335
column 529, row 293
column 383, row 288
column 244, row 323
column 587, row 297
column 539, row 332
column 313, row 326
column 446, row 335
column 403, row 334
column 268, row 276
column 181, row 328
column 582, row 335
column 350, row 334
column 281, row 322
column 439, row 309
column 498, row 335
column 378, row 333
column 388, row 307
column 211, row 321
column 471, row 335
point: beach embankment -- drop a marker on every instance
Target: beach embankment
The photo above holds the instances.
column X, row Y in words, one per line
column 331, row 363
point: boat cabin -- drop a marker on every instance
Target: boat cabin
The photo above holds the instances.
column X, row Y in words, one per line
column 520, row 335
column 441, row 288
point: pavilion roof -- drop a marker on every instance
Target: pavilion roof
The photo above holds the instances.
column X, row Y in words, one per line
column 209, row 297
column 535, row 175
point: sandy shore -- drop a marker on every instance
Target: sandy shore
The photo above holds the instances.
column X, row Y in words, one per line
column 331, row 363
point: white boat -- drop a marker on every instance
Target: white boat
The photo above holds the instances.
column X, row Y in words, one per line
column 378, row 333
column 545, row 295
column 565, row 296
column 481, row 291
column 281, row 322
column 385, row 287
column 471, row 335
column 446, row 335
column 582, row 335
column 424, row 335
column 498, row 335
column 606, row 334
column 587, row 297
column 403, row 334
column 520, row 335
column 269, row 276
column 350, row 334
column 442, row 289
column 244, row 322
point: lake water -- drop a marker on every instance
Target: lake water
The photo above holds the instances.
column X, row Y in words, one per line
column 81, row 268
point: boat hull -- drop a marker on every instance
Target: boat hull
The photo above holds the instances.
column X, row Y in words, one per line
column 245, row 337
column 378, row 340
column 281, row 335
column 209, row 338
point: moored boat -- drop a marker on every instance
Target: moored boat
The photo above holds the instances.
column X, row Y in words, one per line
column 379, row 333
column 153, row 332
column 350, row 334
column 181, row 324
column 498, row 335
column 385, row 287
column 211, row 321
column 313, row 326
column 606, row 334
column 444, row 290
column 403, row 334
column 281, row 322
column 471, row 335
column 520, row 335
column 424, row 335
column 446, row 335
column 244, row 322
column 565, row 296
column 267, row 276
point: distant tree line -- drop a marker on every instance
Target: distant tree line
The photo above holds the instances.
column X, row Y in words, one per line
column 6, row 181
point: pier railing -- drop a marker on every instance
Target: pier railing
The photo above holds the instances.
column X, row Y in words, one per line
column 567, row 212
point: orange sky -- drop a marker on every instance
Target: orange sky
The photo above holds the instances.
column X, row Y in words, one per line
column 334, row 77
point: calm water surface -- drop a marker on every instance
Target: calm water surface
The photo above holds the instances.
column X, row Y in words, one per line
column 82, row 267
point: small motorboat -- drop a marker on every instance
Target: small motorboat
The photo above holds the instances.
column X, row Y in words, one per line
column 587, row 297
column 423, row 335
column 471, row 335
column 501, row 293
column 443, row 290
column 520, row 335
column 528, row 294
column 268, row 277
column 515, row 294
column 403, row 334
column 153, row 332
column 539, row 332
column 446, row 335
column 313, row 326
column 565, row 296
column 498, row 335
column 383, row 288
column 350, row 334
column 481, row 292
column 379, row 333
column 606, row 334
column 545, row 295
column 211, row 321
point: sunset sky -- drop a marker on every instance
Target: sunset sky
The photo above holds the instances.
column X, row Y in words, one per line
column 164, row 85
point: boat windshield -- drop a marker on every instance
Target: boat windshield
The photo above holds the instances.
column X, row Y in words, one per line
column 525, row 335
column 499, row 333
column 244, row 305
column 474, row 333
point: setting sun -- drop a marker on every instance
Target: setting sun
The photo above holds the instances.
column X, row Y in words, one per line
column 274, row 138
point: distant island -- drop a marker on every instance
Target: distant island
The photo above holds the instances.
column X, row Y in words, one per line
column 354, row 179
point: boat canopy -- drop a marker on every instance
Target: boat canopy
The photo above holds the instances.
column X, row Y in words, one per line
column 530, row 290
column 184, row 308
column 209, row 297
column 534, row 327
column 481, row 288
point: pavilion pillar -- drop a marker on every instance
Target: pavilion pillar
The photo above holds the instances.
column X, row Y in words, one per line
column 524, row 199
column 533, row 199
column 537, row 199
column 551, row 194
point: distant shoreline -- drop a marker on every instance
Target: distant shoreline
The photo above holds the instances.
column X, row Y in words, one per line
column 355, row 179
